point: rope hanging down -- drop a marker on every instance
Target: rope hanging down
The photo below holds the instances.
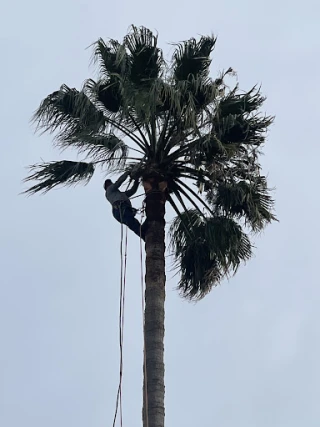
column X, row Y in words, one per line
column 143, row 323
column 121, row 321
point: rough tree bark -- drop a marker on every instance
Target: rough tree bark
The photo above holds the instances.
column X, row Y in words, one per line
column 153, row 397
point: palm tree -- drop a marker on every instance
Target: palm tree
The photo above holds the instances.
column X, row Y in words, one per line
column 191, row 141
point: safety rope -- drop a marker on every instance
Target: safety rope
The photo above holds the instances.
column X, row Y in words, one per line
column 121, row 321
column 144, row 194
column 139, row 195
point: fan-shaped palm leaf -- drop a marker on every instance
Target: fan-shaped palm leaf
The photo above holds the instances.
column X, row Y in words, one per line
column 249, row 200
column 212, row 248
column 68, row 111
column 111, row 57
column 62, row 172
column 145, row 57
column 100, row 146
column 234, row 103
column 108, row 92
column 192, row 58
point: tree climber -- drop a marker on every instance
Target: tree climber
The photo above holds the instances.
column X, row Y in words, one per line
column 122, row 209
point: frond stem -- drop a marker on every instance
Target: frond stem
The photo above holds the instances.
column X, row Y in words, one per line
column 195, row 195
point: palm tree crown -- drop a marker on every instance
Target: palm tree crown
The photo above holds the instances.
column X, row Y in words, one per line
column 175, row 122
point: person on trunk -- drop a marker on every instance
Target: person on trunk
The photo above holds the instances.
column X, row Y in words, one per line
column 122, row 209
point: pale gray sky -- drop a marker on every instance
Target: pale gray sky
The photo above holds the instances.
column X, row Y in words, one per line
column 246, row 356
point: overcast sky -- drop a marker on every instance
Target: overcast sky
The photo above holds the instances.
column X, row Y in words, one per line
column 247, row 355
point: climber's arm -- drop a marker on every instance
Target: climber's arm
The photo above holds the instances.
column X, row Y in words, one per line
column 120, row 181
column 133, row 189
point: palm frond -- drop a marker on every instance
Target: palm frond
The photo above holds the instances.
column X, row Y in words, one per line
column 233, row 123
column 165, row 101
column 63, row 172
column 111, row 57
column 204, row 92
column 182, row 194
column 234, row 103
column 204, row 150
column 245, row 199
column 239, row 129
column 100, row 147
column 195, row 95
column 108, row 92
column 213, row 249
column 192, row 58
column 68, row 111
column 144, row 55
column 176, row 209
column 115, row 102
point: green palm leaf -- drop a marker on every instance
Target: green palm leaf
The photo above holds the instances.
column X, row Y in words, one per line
column 62, row 172
column 190, row 69
column 144, row 56
column 245, row 199
column 111, row 57
column 212, row 249
column 239, row 129
column 108, row 92
column 192, row 59
column 68, row 111
column 100, row 147
column 234, row 103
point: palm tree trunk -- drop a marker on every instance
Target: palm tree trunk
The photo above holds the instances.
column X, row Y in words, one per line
column 153, row 400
